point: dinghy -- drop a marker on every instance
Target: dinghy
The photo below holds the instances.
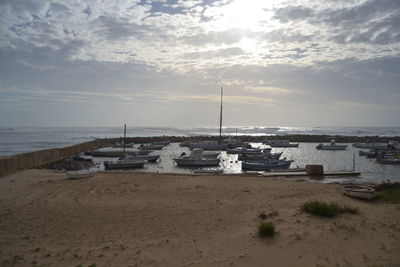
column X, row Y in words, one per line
column 359, row 191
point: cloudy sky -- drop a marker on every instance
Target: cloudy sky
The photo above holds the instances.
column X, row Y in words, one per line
column 162, row 62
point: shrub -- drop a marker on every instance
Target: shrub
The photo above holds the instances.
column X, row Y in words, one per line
column 388, row 192
column 324, row 209
column 266, row 229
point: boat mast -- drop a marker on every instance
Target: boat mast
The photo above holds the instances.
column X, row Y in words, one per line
column 220, row 120
column 124, row 137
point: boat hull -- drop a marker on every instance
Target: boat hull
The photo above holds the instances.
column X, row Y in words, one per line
column 259, row 166
column 131, row 164
column 357, row 191
column 196, row 162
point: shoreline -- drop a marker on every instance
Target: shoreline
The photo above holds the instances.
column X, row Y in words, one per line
column 147, row 219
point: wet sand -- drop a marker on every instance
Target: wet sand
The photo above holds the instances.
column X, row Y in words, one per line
column 144, row 219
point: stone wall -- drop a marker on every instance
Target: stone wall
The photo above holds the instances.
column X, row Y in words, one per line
column 41, row 158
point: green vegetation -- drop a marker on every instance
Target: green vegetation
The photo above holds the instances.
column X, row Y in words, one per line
column 388, row 192
column 266, row 229
column 324, row 209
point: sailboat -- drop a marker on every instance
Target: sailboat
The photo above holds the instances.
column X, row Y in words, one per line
column 215, row 145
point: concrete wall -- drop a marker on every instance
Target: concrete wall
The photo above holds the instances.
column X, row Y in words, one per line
column 41, row 158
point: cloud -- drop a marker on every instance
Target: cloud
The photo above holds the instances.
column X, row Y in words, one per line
column 225, row 52
column 370, row 22
column 270, row 90
column 227, row 99
column 228, row 37
column 165, row 53
column 293, row 13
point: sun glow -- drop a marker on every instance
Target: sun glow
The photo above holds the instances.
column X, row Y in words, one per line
column 244, row 14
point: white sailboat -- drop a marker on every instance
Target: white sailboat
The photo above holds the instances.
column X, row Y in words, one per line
column 196, row 159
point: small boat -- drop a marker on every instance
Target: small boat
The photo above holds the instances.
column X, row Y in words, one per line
column 80, row 174
column 331, row 146
column 245, row 149
column 151, row 147
column 118, row 154
column 136, row 156
column 280, row 143
column 359, row 191
column 124, row 164
column 264, row 166
column 196, row 159
column 260, row 157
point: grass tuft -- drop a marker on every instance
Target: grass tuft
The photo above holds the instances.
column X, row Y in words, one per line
column 324, row 209
column 266, row 229
column 388, row 192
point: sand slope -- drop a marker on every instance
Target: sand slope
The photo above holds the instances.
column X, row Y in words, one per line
column 182, row 220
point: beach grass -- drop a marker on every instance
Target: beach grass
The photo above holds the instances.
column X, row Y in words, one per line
column 266, row 229
column 388, row 192
column 325, row 209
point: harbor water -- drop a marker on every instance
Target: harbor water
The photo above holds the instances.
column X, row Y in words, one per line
column 25, row 139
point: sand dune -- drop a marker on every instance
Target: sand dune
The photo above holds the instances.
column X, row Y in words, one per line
column 182, row 220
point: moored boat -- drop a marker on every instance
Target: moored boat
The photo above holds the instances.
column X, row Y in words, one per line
column 124, row 164
column 261, row 157
column 117, row 153
column 264, row 166
column 196, row 159
column 136, row 156
column 359, row 191
column 332, row 146
column 280, row 143
column 151, row 147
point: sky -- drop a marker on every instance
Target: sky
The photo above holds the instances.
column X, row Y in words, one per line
column 163, row 62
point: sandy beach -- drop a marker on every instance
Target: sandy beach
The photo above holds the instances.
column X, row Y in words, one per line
column 144, row 219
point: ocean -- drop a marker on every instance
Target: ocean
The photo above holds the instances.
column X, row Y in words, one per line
column 25, row 139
